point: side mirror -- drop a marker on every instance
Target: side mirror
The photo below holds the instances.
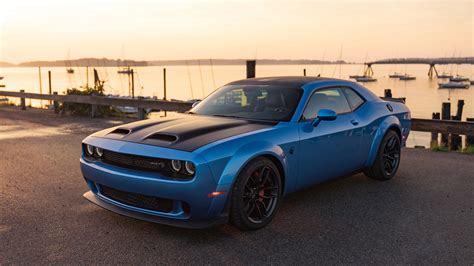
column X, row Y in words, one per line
column 324, row 115
column 195, row 103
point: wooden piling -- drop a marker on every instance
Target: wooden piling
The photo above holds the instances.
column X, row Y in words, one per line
column 56, row 104
column 470, row 138
column 22, row 101
column 304, row 72
column 456, row 140
column 93, row 108
column 251, row 68
column 434, row 135
column 164, row 86
column 141, row 111
column 41, row 85
column 87, row 76
column 387, row 93
column 49, row 84
column 445, row 115
column 133, row 84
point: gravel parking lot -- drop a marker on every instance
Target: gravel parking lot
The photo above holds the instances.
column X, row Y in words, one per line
column 423, row 216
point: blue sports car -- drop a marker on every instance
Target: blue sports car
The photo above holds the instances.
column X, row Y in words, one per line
column 234, row 155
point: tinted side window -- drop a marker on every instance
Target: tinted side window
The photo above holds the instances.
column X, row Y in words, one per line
column 354, row 99
column 332, row 99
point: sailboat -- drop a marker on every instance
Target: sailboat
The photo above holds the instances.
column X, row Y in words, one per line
column 69, row 69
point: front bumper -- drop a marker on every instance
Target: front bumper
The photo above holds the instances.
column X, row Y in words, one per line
column 191, row 207
column 152, row 218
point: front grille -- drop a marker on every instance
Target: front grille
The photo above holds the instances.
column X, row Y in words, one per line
column 137, row 200
column 134, row 161
column 138, row 162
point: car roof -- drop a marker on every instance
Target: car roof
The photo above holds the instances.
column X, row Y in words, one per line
column 287, row 81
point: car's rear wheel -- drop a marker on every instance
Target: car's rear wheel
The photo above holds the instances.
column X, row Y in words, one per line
column 388, row 158
column 256, row 195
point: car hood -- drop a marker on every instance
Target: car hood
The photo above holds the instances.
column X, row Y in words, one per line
column 186, row 132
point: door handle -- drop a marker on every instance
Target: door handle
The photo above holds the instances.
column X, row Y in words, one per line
column 354, row 122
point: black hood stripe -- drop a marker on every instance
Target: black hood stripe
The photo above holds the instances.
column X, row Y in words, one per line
column 189, row 132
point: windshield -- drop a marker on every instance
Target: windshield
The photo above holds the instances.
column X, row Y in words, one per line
column 251, row 102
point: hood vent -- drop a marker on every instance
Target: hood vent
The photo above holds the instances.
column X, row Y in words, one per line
column 120, row 131
column 163, row 137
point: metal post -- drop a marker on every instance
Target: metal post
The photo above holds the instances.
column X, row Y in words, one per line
column 22, row 101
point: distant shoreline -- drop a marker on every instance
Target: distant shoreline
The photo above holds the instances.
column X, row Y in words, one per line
column 105, row 62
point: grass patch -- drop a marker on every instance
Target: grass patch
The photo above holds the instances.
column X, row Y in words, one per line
column 438, row 147
column 468, row 150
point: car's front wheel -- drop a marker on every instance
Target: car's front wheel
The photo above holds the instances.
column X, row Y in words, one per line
column 388, row 158
column 256, row 195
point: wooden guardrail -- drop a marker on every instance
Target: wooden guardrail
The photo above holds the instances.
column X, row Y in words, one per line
column 442, row 126
column 424, row 125
column 101, row 100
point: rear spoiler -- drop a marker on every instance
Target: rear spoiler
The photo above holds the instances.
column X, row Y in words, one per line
column 390, row 99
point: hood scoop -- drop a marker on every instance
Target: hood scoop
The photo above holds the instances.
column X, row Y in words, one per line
column 120, row 131
column 162, row 137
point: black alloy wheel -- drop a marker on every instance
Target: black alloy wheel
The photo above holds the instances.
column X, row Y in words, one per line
column 256, row 195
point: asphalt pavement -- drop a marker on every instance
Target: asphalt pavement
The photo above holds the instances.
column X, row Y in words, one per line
column 423, row 216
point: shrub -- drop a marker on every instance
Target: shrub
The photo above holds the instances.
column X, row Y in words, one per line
column 85, row 109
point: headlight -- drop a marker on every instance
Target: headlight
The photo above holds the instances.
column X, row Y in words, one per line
column 99, row 151
column 176, row 165
column 189, row 167
column 90, row 149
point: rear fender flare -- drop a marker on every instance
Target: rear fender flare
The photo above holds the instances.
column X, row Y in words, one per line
column 387, row 123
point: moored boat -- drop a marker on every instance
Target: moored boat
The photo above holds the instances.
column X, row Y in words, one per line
column 395, row 75
column 445, row 76
column 366, row 79
column 407, row 77
column 356, row 76
column 453, row 85
column 126, row 70
column 458, row 78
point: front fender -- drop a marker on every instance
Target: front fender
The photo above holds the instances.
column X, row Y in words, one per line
column 387, row 123
column 245, row 154
column 236, row 163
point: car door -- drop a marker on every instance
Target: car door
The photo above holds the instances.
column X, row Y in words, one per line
column 329, row 149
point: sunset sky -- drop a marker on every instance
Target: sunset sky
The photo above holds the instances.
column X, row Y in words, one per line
column 190, row 29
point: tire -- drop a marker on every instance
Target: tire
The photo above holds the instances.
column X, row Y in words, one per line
column 256, row 195
column 388, row 158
